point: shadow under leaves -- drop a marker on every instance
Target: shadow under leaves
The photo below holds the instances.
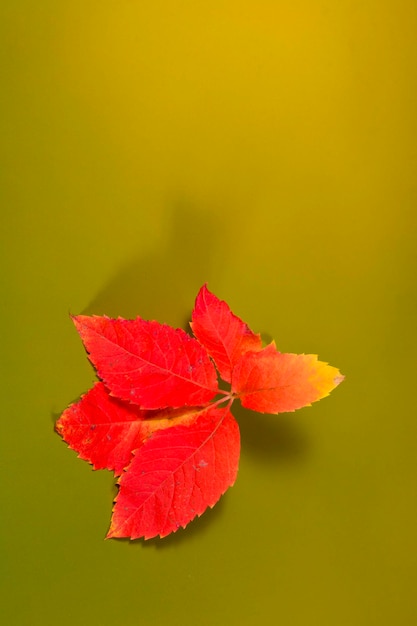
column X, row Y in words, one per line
column 159, row 285
column 197, row 527
column 272, row 438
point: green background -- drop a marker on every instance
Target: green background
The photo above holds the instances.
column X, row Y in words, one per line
column 268, row 148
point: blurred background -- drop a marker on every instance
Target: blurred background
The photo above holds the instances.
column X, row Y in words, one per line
column 268, row 148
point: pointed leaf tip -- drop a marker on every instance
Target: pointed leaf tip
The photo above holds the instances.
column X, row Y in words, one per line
column 224, row 335
column 176, row 475
column 150, row 364
column 105, row 430
column 271, row 382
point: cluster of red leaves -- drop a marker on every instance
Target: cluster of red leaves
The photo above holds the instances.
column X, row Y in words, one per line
column 158, row 419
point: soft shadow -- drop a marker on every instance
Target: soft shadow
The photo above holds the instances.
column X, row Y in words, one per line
column 197, row 527
column 272, row 438
column 54, row 417
column 159, row 285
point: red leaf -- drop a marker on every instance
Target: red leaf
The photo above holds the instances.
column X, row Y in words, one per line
column 105, row 430
column 148, row 363
column 224, row 335
column 175, row 475
column 152, row 421
column 271, row 382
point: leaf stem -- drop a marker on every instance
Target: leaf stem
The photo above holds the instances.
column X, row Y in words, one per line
column 227, row 397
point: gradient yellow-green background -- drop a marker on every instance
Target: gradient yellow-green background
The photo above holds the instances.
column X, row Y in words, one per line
column 268, row 148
